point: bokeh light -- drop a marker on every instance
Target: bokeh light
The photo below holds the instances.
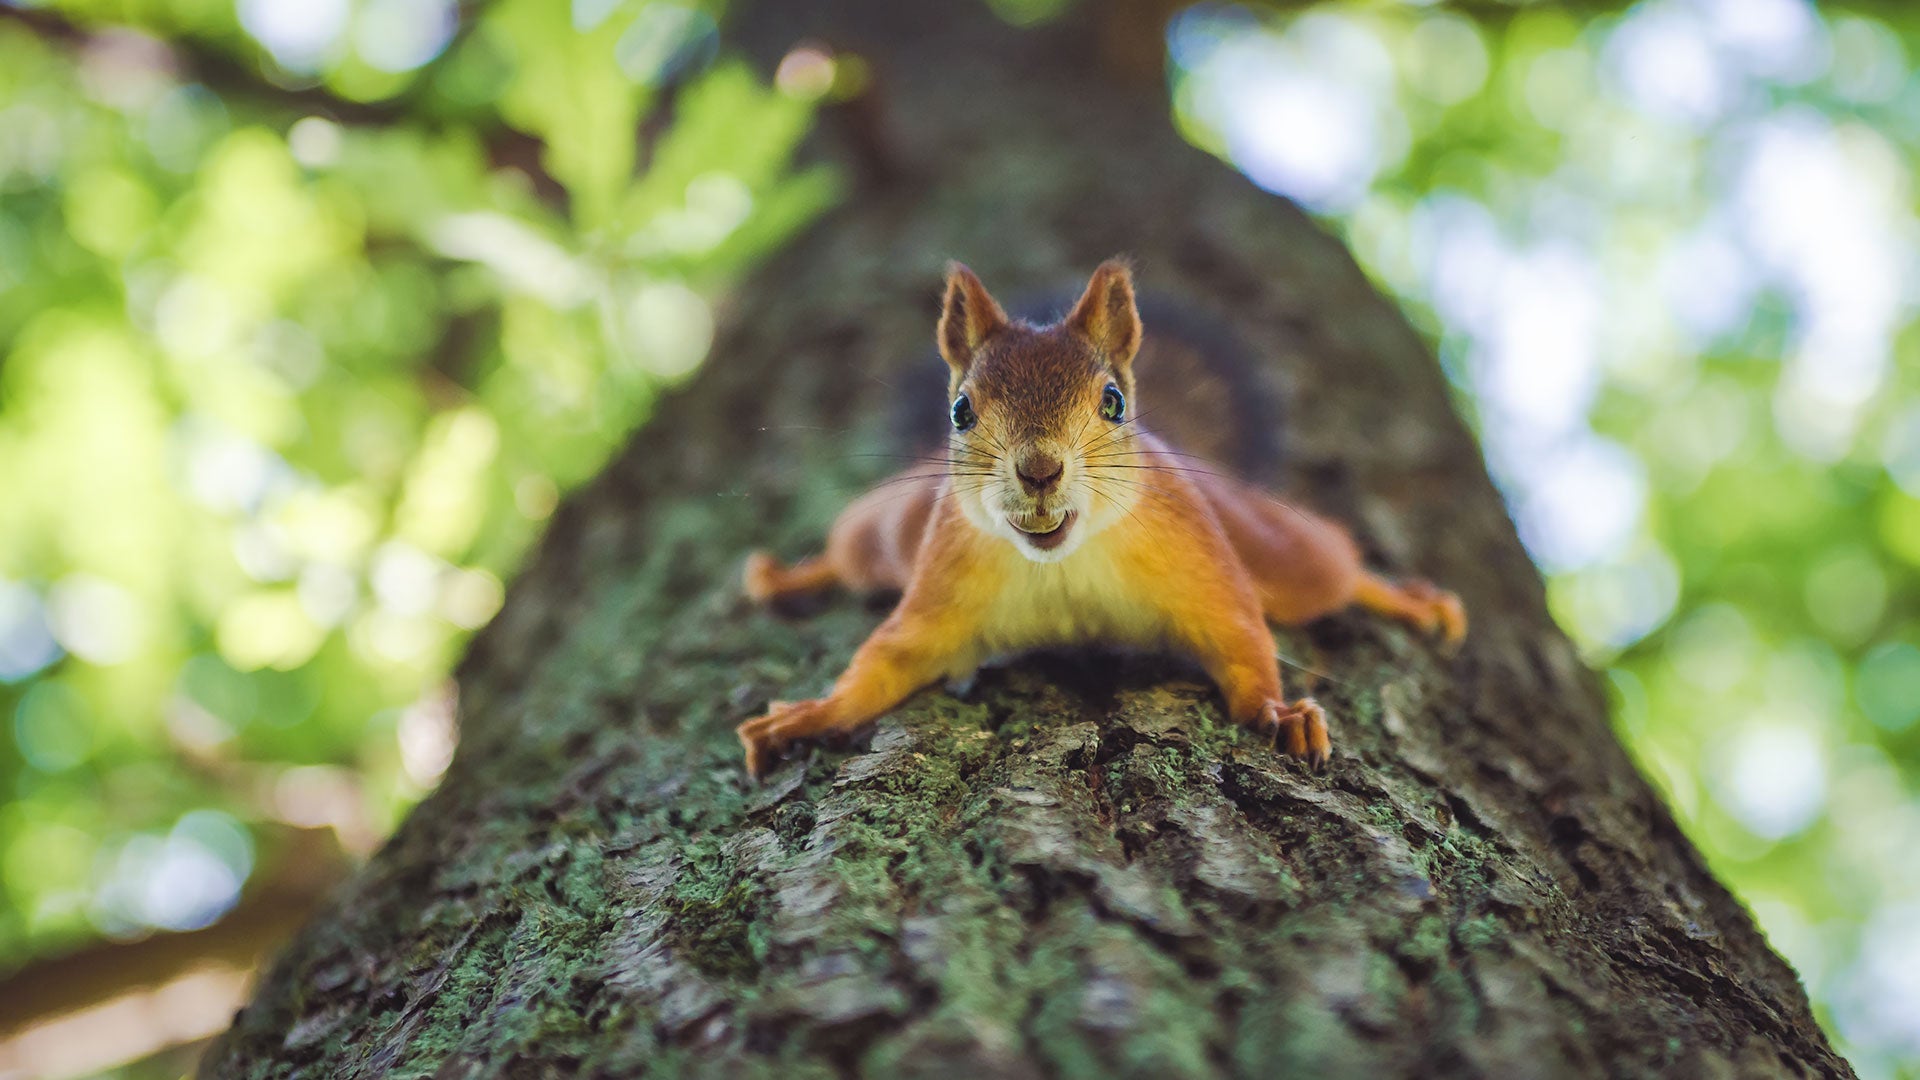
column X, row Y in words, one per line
column 1669, row 258
column 290, row 379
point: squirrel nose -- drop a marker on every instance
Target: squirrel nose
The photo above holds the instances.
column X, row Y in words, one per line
column 1038, row 473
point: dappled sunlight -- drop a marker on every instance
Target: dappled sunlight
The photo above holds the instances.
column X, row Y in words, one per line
column 26, row 641
column 1669, row 257
column 285, row 398
column 299, row 33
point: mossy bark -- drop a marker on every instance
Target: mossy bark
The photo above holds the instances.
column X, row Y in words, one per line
column 1079, row 869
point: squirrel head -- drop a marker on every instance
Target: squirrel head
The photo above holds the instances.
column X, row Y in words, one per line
column 1042, row 416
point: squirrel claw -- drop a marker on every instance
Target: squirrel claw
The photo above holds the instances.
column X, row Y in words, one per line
column 1444, row 616
column 760, row 741
column 1303, row 728
column 765, row 738
column 760, row 578
column 1449, row 619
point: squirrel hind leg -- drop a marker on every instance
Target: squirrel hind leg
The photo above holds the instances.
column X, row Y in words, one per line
column 769, row 584
column 1421, row 604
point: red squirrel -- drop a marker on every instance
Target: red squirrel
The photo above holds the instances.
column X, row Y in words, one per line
column 1057, row 519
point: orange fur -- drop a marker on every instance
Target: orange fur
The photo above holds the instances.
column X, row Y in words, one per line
column 1130, row 544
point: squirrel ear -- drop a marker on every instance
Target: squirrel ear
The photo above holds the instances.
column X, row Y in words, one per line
column 1106, row 315
column 967, row 317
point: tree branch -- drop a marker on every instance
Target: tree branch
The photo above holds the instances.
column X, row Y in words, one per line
column 216, row 69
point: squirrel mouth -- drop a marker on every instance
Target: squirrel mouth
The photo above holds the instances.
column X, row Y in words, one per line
column 1045, row 533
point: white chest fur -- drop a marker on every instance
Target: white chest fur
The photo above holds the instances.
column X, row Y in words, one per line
column 1085, row 598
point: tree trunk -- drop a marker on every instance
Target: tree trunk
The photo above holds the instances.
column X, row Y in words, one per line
column 1081, row 869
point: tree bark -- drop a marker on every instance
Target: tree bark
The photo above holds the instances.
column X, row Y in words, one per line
column 1081, row 869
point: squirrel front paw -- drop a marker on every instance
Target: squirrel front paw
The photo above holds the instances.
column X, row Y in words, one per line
column 765, row 738
column 1300, row 729
column 761, row 577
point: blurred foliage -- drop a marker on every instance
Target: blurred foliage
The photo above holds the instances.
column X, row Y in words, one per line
column 1669, row 256
column 283, row 400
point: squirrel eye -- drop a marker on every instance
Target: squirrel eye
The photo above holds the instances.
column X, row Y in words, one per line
column 963, row 417
column 1113, row 405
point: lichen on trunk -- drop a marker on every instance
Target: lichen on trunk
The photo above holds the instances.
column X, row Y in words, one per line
column 1078, row 868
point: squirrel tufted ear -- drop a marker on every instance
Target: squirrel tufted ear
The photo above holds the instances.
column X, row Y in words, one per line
column 967, row 317
column 1106, row 314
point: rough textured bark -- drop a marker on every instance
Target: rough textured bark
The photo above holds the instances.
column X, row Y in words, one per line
column 1080, row 870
